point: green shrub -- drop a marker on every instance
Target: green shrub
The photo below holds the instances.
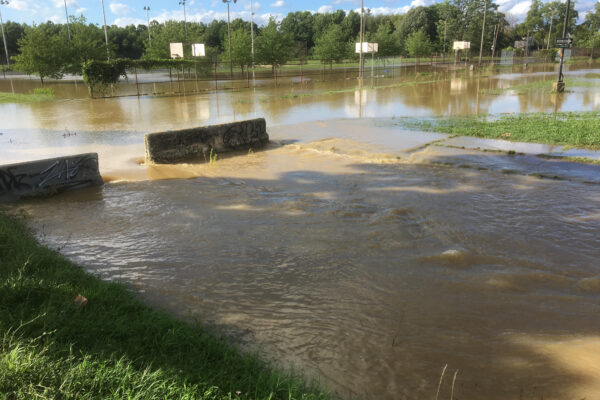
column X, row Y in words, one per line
column 548, row 55
column 44, row 91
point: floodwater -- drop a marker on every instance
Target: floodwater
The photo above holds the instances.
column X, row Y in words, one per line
column 368, row 256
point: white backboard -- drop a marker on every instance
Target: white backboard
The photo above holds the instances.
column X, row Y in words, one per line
column 367, row 47
column 461, row 45
column 176, row 50
column 198, row 50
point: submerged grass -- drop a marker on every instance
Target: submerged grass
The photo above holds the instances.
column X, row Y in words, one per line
column 580, row 129
column 543, row 86
column 113, row 347
column 352, row 89
column 39, row 94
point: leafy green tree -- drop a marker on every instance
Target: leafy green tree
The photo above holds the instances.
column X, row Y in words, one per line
column 416, row 19
column 419, row 45
column 321, row 22
column 241, row 48
column 44, row 51
column 162, row 36
column 272, row 46
column 13, row 32
column 351, row 25
column 389, row 45
column 87, row 43
column 330, row 46
column 128, row 41
column 299, row 25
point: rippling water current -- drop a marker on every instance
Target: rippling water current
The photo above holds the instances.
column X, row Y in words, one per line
column 370, row 275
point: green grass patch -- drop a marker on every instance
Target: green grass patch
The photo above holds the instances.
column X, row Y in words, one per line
column 579, row 129
column 39, row 94
column 114, row 347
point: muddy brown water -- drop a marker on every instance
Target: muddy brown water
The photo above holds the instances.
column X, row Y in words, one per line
column 343, row 248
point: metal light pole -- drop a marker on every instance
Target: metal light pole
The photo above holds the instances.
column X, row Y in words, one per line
column 361, row 38
column 229, row 37
column 147, row 9
column 67, row 15
column 560, row 85
column 105, row 32
column 4, row 2
column 182, row 3
column 482, row 32
column 252, row 34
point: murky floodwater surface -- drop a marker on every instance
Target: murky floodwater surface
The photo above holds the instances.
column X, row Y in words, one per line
column 347, row 247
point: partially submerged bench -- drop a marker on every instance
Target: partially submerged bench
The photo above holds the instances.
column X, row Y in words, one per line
column 198, row 143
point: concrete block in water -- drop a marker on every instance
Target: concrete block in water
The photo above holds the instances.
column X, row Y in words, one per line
column 196, row 143
column 43, row 177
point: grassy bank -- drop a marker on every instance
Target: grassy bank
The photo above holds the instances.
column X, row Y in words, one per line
column 580, row 129
column 39, row 94
column 114, row 347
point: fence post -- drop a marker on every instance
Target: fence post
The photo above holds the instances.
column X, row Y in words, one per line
column 247, row 76
column 183, row 73
column 137, row 86
column 215, row 76
column 196, row 75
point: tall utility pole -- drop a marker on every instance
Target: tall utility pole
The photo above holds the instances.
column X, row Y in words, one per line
column 482, row 32
column 229, row 37
column 445, row 25
column 68, row 28
column 4, row 2
column 182, row 3
column 361, row 38
column 252, row 34
column 495, row 43
column 550, row 31
column 560, row 85
column 105, row 32
column 147, row 9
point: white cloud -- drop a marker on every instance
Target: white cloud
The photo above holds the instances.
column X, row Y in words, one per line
column 80, row 10
column 208, row 16
column 325, row 9
column 120, row 9
column 387, row 10
column 19, row 5
column 278, row 3
column 61, row 3
column 255, row 5
column 520, row 9
column 56, row 18
column 129, row 21
column 422, row 3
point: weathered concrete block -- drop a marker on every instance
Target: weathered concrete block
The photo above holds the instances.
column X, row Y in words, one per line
column 43, row 177
column 196, row 143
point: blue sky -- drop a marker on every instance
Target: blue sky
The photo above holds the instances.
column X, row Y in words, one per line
column 124, row 12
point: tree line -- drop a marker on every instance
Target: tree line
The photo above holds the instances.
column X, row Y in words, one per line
column 50, row 50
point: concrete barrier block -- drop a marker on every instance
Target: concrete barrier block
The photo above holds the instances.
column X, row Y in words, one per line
column 44, row 177
column 196, row 143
